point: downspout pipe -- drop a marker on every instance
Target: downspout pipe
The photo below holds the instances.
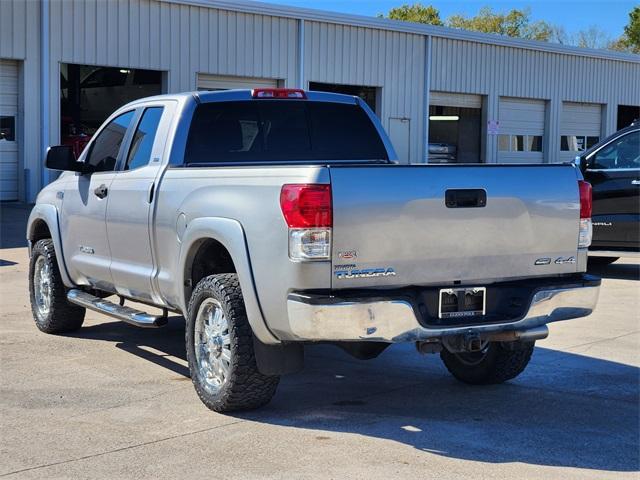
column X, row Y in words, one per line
column 427, row 93
column 45, row 93
column 301, row 53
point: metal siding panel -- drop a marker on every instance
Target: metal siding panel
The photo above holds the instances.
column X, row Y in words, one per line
column 133, row 36
column 144, row 49
column 6, row 30
column 9, row 151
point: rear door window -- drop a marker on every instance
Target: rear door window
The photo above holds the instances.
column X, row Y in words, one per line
column 281, row 130
column 142, row 143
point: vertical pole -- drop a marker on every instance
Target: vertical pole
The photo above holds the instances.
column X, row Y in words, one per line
column 426, row 95
column 44, row 88
column 301, row 83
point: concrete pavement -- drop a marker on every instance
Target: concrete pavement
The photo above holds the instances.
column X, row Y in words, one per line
column 113, row 401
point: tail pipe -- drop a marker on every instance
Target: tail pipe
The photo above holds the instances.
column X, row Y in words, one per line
column 531, row 335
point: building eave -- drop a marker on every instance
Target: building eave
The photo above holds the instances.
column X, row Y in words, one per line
column 299, row 13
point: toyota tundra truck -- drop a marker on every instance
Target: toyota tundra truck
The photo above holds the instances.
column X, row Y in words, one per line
column 272, row 219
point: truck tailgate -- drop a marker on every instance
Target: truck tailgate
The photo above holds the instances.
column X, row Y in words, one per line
column 393, row 222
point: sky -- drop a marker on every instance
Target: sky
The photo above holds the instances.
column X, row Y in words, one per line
column 608, row 15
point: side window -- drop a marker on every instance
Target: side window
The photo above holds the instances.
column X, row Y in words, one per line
column 142, row 143
column 105, row 148
column 623, row 152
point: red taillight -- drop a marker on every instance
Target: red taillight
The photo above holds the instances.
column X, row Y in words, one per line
column 293, row 93
column 306, row 205
column 585, row 199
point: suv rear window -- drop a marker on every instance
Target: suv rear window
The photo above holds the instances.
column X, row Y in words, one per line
column 281, row 130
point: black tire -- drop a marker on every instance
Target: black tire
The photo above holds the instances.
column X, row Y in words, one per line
column 245, row 387
column 497, row 364
column 602, row 261
column 61, row 316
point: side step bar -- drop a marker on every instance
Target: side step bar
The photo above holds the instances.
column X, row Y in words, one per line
column 135, row 317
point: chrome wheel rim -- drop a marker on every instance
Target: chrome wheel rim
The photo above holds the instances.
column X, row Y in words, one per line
column 42, row 287
column 212, row 345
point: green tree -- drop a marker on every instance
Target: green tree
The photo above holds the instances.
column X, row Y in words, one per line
column 632, row 30
column 416, row 13
column 630, row 39
column 515, row 23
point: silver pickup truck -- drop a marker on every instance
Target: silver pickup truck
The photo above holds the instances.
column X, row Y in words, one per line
column 276, row 218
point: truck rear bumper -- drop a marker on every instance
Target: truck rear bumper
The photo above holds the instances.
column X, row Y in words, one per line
column 316, row 317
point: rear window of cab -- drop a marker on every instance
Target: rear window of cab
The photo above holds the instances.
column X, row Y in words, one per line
column 281, row 130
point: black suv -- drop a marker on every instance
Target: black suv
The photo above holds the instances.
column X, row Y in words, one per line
column 613, row 169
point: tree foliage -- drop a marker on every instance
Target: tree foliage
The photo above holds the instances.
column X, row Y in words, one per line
column 517, row 23
column 416, row 13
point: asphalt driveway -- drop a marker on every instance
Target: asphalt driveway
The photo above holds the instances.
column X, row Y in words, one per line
column 113, row 401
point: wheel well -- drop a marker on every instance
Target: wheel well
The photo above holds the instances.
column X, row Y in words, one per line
column 39, row 230
column 208, row 257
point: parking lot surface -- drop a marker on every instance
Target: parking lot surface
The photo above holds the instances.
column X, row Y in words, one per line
column 113, row 401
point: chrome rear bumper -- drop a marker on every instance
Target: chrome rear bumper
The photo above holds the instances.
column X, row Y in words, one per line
column 393, row 320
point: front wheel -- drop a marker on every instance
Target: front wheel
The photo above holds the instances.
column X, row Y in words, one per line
column 496, row 363
column 51, row 310
column 219, row 344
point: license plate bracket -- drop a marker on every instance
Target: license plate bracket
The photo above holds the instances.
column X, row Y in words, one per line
column 462, row 302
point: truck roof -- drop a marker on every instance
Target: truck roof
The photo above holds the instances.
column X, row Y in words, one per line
column 204, row 96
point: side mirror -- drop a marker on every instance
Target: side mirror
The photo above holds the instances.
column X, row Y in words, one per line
column 61, row 157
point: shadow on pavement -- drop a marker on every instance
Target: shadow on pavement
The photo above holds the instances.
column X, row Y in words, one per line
column 617, row 271
column 13, row 224
column 566, row 410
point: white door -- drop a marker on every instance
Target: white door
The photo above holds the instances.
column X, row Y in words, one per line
column 8, row 130
column 399, row 134
column 580, row 128
column 521, row 134
column 218, row 82
column 462, row 100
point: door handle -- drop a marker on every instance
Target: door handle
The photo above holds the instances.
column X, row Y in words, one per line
column 101, row 191
column 635, row 182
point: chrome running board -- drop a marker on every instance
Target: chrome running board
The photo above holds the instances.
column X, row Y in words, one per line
column 132, row 316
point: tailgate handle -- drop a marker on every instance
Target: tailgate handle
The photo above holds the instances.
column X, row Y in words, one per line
column 465, row 198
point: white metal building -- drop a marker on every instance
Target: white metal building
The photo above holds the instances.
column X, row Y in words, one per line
column 478, row 97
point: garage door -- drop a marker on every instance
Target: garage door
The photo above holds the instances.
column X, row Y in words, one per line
column 521, row 130
column 462, row 100
column 217, row 82
column 8, row 124
column 580, row 128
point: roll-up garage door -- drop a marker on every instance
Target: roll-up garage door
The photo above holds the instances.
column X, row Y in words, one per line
column 462, row 100
column 8, row 134
column 580, row 128
column 217, row 82
column 521, row 131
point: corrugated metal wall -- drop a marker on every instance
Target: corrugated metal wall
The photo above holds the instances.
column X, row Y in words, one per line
column 495, row 71
column 182, row 40
column 468, row 67
column 20, row 40
column 394, row 61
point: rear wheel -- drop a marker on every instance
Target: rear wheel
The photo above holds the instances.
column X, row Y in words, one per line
column 51, row 310
column 495, row 363
column 220, row 352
